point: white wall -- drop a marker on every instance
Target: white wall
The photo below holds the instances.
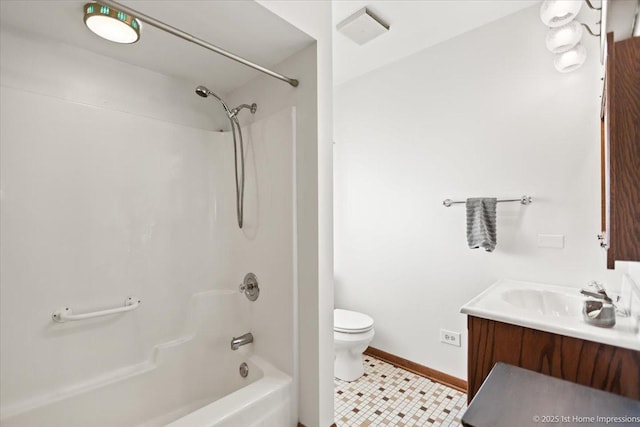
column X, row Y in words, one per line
column 115, row 184
column 315, row 211
column 484, row 114
column 634, row 271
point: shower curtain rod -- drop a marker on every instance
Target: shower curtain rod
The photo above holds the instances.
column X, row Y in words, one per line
column 188, row 37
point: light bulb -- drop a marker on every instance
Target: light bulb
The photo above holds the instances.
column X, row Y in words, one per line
column 556, row 13
column 570, row 60
column 563, row 38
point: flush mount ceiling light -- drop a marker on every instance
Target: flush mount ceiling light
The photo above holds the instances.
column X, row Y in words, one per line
column 571, row 59
column 563, row 38
column 111, row 24
column 556, row 13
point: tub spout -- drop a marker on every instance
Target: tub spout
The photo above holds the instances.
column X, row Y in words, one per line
column 245, row 339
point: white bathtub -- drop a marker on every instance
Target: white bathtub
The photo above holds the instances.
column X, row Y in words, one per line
column 263, row 403
column 192, row 381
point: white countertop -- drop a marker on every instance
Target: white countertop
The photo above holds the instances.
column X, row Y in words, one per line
column 567, row 320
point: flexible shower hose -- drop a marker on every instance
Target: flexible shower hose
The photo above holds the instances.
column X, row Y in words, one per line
column 239, row 180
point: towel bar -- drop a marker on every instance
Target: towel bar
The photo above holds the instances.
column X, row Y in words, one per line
column 525, row 200
column 65, row 314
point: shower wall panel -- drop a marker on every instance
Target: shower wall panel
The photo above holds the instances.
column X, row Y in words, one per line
column 115, row 184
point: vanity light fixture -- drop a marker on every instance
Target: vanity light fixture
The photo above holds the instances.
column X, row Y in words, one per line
column 565, row 34
column 111, row 24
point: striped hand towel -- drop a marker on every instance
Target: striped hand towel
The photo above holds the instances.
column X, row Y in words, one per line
column 481, row 223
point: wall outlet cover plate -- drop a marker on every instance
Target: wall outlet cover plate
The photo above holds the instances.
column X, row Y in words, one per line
column 449, row 337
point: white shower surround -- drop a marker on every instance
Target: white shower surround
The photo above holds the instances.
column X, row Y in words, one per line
column 194, row 381
column 105, row 196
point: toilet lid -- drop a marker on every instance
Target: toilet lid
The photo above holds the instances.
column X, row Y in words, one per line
column 351, row 321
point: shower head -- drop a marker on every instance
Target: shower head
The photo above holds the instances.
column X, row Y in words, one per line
column 204, row 92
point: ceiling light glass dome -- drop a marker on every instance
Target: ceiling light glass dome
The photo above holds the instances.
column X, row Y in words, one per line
column 571, row 59
column 111, row 24
column 556, row 13
column 563, row 38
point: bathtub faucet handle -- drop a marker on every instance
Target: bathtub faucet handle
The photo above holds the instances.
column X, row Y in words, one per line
column 249, row 287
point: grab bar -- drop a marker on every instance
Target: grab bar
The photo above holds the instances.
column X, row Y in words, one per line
column 66, row 315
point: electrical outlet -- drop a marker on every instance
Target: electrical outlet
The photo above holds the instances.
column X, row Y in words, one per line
column 451, row 338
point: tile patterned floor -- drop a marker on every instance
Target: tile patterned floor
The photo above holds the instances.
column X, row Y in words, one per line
column 390, row 396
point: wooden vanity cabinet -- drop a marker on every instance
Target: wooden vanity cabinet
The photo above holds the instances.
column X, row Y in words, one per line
column 621, row 150
column 592, row 364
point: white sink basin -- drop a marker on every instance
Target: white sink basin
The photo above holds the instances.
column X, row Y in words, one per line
column 544, row 302
column 550, row 308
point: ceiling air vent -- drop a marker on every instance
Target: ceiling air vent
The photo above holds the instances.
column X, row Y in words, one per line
column 362, row 26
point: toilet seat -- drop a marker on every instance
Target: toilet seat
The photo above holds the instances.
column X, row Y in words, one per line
column 351, row 322
column 340, row 338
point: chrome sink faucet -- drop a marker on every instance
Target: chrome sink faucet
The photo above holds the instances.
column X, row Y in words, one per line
column 601, row 313
column 245, row 339
column 600, row 292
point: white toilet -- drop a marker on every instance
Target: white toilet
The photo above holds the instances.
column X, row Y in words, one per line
column 352, row 333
